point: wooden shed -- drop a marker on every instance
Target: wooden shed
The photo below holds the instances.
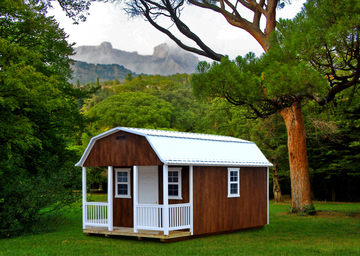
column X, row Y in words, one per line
column 169, row 185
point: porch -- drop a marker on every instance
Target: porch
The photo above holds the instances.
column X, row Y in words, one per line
column 123, row 231
column 163, row 221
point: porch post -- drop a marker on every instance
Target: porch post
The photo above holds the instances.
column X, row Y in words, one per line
column 166, row 200
column 267, row 189
column 84, row 195
column 136, row 198
column 191, row 182
column 110, row 198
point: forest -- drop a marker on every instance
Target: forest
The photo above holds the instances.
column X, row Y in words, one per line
column 46, row 121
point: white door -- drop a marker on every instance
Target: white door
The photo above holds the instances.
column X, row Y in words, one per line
column 148, row 185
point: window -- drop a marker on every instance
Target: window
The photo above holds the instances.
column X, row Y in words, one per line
column 174, row 183
column 122, row 183
column 233, row 182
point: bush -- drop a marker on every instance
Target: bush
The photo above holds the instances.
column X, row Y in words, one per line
column 34, row 203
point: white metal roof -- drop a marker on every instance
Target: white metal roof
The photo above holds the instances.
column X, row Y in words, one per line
column 181, row 148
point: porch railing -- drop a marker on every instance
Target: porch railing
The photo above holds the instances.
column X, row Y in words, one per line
column 150, row 216
column 179, row 216
column 96, row 214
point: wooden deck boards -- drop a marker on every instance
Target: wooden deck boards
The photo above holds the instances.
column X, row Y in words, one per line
column 124, row 231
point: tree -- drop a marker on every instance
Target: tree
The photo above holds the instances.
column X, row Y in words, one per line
column 293, row 71
column 233, row 11
column 39, row 118
column 131, row 109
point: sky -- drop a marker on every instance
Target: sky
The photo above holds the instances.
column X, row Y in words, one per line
column 108, row 22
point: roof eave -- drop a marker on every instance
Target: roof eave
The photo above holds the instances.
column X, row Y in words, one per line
column 220, row 164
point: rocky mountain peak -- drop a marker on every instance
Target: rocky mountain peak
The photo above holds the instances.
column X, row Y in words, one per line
column 164, row 61
column 161, row 51
column 105, row 47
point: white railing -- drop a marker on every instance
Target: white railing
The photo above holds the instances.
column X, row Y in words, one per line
column 150, row 216
column 96, row 214
column 179, row 216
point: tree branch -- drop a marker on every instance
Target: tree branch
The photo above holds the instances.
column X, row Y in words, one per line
column 145, row 8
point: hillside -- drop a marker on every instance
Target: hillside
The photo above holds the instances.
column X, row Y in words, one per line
column 165, row 60
column 86, row 73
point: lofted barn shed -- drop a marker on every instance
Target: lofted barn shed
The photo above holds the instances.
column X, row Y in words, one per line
column 169, row 185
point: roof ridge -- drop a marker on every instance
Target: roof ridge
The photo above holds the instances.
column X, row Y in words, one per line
column 187, row 135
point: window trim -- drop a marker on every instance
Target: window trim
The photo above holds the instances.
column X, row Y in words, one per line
column 127, row 170
column 179, row 183
column 234, row 182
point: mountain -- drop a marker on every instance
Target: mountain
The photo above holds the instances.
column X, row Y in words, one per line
column 86, row 73
column 164, row 61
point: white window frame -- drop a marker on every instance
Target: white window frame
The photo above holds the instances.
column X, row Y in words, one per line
column 237, row 170
column 128, row 183
column 179, row 183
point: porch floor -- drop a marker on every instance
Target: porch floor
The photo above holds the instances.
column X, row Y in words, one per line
column 124, row 231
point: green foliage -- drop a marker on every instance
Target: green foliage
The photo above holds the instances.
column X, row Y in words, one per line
column 173, row 89
column 236, row 81
column 263, row 85
column 333, row 141
column 131, row 109
column 87, row 72
column 39, row 117
column 325, row 35
column 96, row 175
column 35, row 203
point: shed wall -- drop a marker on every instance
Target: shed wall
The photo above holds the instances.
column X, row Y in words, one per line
column 123, row 208
column 215, row 212
column 122, row 149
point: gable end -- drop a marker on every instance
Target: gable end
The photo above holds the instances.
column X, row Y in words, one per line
column 121, row 149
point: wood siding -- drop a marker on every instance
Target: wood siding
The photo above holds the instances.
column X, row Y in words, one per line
column 215, row 212
column 184, row 186
column 122, row 149
column 123, row 208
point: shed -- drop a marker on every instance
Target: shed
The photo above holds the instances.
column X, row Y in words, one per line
column 169, row 185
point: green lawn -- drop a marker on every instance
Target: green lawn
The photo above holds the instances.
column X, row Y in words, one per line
column 335, row 230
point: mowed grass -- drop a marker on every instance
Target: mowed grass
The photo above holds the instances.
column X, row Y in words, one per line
column 335, row 230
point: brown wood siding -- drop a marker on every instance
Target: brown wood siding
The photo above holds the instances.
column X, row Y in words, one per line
column 215, row 212
column 184, row 186
column 123, row 207
column 129, row 150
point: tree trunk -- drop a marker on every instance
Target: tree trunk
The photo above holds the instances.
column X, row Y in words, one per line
column 276, row 186
column 299, row 166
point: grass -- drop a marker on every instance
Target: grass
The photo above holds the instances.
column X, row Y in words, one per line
column 335, row 230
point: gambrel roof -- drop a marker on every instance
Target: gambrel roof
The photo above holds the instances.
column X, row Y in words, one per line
column 181, row 148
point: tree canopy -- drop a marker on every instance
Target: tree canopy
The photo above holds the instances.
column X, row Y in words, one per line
column 131, row 109
column 39, row 117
